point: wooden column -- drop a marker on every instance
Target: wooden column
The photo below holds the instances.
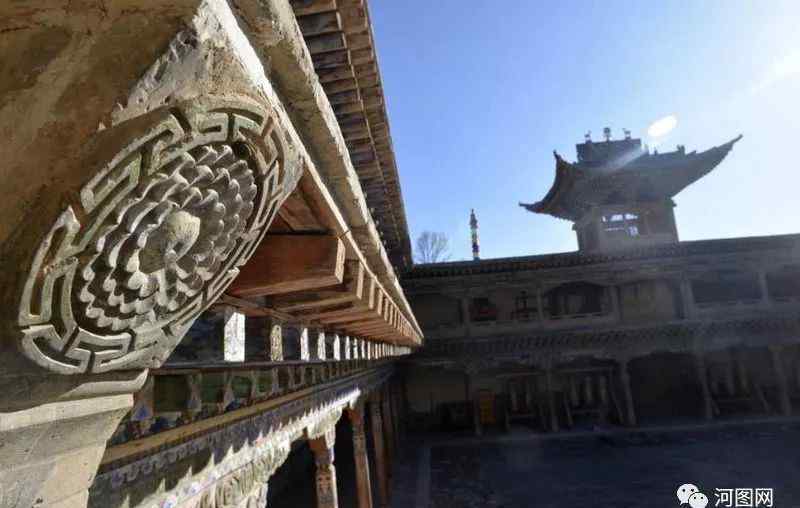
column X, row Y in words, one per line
column 551, row 399
column 616, row 309
column 764, row 288
column 397, row 412
column 625, row 381
column 741, row 371
column 317, row 345
column 325, row 474
column 702, row 378
column 388, row 431
column 473, row 403
column 363, row 486
column 730, row 378
column 539, row 304
column 465, row 317
column 780, row 378
column 378, row 445
column 687, row 298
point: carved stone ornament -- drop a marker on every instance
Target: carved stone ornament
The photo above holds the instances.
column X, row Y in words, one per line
column 155, row 237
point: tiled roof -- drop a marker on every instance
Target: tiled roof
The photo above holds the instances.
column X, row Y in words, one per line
column 571, row 259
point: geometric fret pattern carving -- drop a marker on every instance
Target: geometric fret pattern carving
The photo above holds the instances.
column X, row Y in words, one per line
column 155, row 237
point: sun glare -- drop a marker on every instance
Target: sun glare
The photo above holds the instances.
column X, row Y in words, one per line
column 662, row 127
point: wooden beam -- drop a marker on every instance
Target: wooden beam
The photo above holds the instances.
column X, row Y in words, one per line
column 366, row 68
column 342, row 85
column 352, row 290
column 326, row 43
column 321, row 23
column 335, row 73
column 253, row 309
column 358, row 40
column 362, row 56
column 350, row 107
column 288, row 263
column 373, row 103
column 305, row 7
column 354, row 19
column 350, row 96
column 370, row 80
column 297, row 214
column 371, row 302
column 331, row 60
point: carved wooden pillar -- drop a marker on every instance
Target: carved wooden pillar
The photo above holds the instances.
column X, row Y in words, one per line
column 780, row 378
column 325, row 474
column 627, row 393
column 363, row 486
column 702, row 378
column 378, row 444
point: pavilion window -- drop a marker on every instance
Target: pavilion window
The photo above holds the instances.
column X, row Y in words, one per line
column 726, row 286
column 623, row 224
column 482, row 309
column 525, row 306
column 577, row 299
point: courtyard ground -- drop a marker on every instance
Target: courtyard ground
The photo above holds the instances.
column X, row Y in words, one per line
column 608, row 468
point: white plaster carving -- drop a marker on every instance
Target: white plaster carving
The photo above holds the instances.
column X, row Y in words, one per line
column 154, row 238
column 233, row 335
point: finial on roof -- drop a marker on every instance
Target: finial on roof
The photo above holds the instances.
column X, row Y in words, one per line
column 627, row 133
column 607, row 133
column 588, row 136
column 473, row 224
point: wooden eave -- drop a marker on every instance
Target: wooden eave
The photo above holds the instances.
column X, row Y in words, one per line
column 340, row 40
column 727, row 246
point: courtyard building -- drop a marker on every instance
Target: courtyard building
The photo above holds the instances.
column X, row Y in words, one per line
column 634, row 326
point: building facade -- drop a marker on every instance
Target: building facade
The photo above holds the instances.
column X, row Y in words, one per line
column 634, row 326
column 201, row 236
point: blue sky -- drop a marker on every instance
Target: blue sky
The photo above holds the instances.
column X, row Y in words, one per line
column 480, row 96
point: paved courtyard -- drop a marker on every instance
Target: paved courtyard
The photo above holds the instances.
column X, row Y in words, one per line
column 615, row 469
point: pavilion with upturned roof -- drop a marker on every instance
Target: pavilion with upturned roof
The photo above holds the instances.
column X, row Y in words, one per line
column 619, row 194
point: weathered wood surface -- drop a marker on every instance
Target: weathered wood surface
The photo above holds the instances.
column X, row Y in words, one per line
column 287, row 263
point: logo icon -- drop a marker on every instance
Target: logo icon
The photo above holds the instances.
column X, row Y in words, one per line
column 691, row 495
